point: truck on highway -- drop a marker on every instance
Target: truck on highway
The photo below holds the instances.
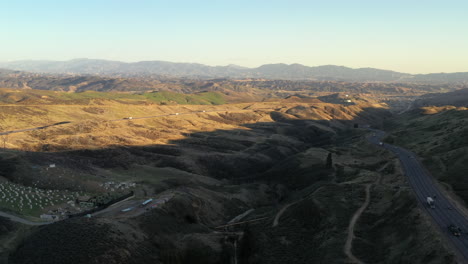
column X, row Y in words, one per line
column 145, row 203
column 430, row 202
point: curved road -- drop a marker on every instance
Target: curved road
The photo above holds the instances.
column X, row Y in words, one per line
column 15, row 218
column 445, row 212
column 27, row 222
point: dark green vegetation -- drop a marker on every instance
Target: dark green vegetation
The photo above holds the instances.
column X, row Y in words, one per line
column 11, row 234
column 61, row 242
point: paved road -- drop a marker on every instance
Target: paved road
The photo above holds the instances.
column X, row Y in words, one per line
column 15, row 218
column 445, row 212
column 34, row 128
column 27, row 222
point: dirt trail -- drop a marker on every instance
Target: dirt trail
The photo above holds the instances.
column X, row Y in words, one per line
column 349, row 241
column 406, row 109
column 278, row 215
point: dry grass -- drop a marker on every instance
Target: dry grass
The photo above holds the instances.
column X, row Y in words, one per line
column 91, row 126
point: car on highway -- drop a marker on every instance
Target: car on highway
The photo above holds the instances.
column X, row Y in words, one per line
column 430, row 202
column 176, row 114
column 145, row 203
column 126, row 209
column 456, row 231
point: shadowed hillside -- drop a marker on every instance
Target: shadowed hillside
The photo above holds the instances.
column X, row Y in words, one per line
column 215, row 166
column 458, row 98
column 438, row 134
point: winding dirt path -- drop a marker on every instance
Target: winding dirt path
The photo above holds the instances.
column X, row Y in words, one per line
column 278, row 215
column 349, row 241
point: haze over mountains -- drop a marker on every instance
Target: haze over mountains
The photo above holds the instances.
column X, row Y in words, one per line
column 192, row 70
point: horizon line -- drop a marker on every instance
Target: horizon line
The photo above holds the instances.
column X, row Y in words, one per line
column 227, row 65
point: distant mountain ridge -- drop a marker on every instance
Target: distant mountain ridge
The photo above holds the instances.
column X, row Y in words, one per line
column 196, row 70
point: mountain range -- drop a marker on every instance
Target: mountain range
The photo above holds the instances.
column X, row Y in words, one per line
column 195, row 70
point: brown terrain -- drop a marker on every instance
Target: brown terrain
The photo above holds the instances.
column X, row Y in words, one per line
column 212, row 163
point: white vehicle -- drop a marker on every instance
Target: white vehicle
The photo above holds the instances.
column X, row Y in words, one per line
column 430, row 202
column 381, row 143
column 145, row 203
column 127, row 209
column 176, row 114
column 204, row 111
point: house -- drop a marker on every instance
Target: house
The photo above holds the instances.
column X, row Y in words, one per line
column 85, row 201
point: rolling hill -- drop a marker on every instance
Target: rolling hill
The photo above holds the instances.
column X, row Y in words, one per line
column 458, row 98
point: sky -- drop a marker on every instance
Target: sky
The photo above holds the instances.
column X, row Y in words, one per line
column 414, row 36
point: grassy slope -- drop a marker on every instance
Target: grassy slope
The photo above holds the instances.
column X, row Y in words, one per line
column 243, row 141
column 26, row 97
column 440, row 136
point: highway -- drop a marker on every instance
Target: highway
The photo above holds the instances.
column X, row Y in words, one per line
column 423, row 184
column 15, row 218
column 34, row 128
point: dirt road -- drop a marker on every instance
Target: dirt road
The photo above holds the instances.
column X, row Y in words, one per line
column 349, row 241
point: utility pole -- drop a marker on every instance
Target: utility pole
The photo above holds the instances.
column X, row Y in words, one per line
column 5, row 139
column 235, row 251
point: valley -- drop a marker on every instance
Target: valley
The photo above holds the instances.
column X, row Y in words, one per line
column 233, row 132
column 299, row 167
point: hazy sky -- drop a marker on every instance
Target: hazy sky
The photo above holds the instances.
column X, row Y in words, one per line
column 416, row 36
